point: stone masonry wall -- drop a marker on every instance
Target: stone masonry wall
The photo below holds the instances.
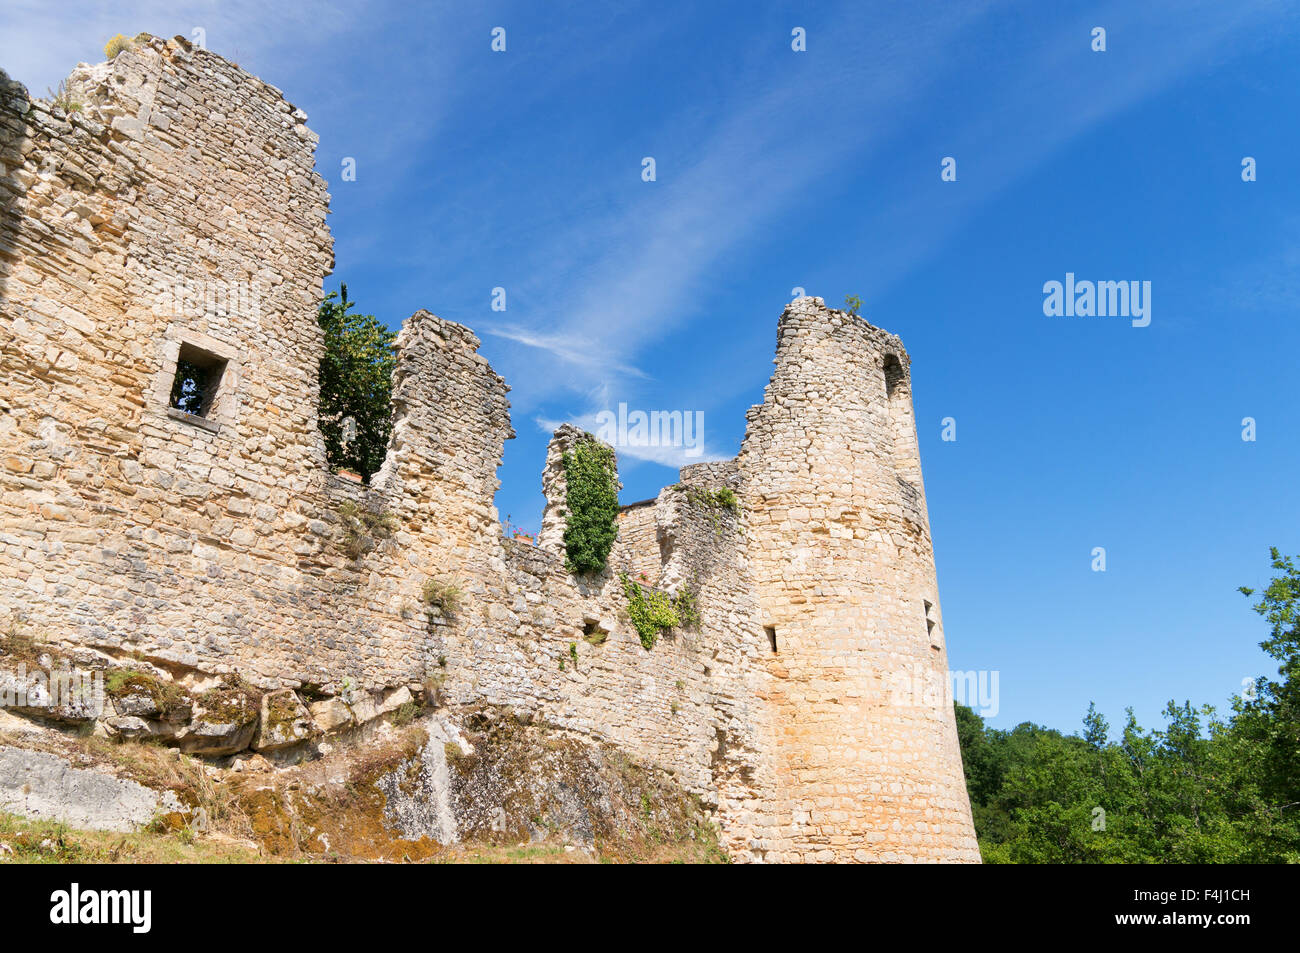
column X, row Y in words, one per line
column 178, row 213
column 842, row 560
column 638, row 534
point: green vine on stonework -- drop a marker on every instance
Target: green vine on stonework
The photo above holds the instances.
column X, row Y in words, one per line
column 688, row 610
column 721, row 499
column 653, row 611
column 713, row 501
column 592, row 504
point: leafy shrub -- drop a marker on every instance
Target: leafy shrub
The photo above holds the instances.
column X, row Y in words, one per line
column 116, row 45
column 592, row 503
column 651, row 610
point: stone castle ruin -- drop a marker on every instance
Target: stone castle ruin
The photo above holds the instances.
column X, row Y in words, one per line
column 176, row 217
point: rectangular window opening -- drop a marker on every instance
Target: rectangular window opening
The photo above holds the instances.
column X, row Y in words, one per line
column 771, row 636
column 198, row 377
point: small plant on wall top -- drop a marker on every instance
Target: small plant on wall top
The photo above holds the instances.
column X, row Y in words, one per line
column 592, row 503
column 117, row 44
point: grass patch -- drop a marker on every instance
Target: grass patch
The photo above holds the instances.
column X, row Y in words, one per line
column 362, row 528
column 50, row 842
column 441, row 594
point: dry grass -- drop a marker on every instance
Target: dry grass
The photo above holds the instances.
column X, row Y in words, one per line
column 49, row 842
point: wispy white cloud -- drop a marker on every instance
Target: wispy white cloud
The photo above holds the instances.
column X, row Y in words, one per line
column 570, row 349
column 633, row 274
column 664, row 454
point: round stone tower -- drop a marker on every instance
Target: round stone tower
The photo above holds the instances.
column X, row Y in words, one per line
column 867, row 764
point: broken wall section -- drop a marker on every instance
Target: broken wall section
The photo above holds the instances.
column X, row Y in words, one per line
column 177, row 216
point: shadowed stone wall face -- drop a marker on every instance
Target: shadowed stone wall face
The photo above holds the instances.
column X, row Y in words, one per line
column 177, row 217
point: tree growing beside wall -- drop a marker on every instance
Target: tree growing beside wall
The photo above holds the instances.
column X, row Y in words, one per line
column 356, row 383
column 592, row 504
column 1206, row 788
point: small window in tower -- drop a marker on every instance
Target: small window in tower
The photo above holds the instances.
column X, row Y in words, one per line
column 893, row 374
column 771, row 636
column 198, row 376
column 930, row 623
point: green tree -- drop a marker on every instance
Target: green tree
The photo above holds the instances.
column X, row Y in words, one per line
column 356, row 383
column 1202, row 789
column 1266, row 726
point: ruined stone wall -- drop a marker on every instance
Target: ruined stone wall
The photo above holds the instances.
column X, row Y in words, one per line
column 177, row 208
column 178, row 213
column 638, row 541
column 219, row 543
column 562, row 648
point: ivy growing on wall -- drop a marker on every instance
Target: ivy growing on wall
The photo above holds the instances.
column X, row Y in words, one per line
column 592, row 504
column 653, row 611
column 715, row 503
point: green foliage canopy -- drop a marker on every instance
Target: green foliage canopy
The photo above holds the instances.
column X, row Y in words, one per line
column 1203, row 789
column 356, row 381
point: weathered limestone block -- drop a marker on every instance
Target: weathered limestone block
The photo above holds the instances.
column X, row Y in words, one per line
column 49, row 692
column 367, row 706
column 45, row 787
column 284, row 722
column 225, row 721
column 331, row 714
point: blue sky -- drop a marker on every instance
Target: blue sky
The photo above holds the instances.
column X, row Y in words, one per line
column 821, row 170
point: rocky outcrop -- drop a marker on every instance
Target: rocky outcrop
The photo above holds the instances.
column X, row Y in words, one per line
column 284, row 722
column 43, row 786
